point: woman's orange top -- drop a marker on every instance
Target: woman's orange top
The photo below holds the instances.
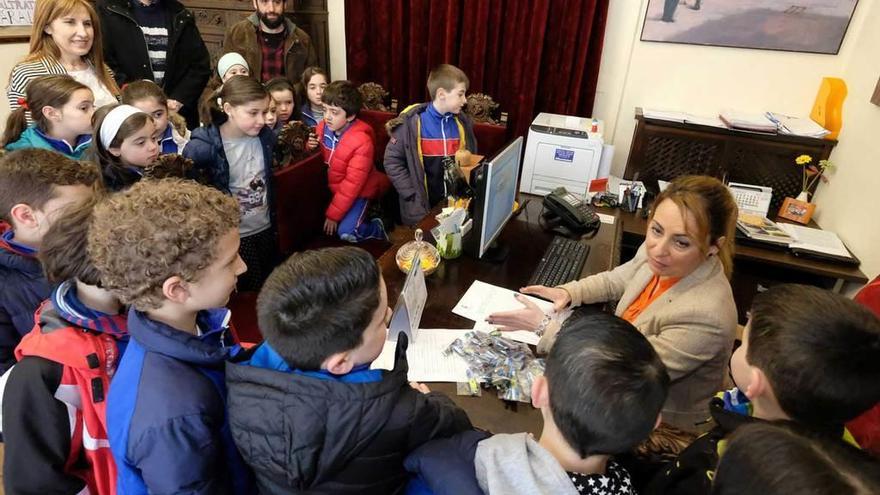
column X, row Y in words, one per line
column 655, row 288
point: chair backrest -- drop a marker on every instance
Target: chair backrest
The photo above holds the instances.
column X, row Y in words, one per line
column 483, row 109
column 301, row 198
column 376, row 98
column 377, row 120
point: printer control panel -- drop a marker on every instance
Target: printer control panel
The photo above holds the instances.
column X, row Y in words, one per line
column 559, row 131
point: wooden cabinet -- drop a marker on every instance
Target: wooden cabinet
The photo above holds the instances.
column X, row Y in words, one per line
column 214, row 16
column 665, row 150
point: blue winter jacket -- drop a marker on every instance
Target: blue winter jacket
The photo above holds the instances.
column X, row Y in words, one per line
column 205, row 149
column 22, row 290
column 34, row 138
column 166, row 413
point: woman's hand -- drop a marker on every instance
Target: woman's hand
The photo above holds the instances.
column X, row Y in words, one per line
column 559, row 297
column 528, row 318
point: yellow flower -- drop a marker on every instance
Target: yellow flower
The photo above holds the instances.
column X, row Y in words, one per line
column 803, row 159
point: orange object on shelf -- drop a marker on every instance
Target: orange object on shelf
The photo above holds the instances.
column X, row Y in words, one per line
column 828, row 108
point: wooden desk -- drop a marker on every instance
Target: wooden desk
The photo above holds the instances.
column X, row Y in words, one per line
column 527, row 241
column 755, row 267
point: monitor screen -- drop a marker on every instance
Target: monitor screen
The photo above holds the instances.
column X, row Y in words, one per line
column 502, row 173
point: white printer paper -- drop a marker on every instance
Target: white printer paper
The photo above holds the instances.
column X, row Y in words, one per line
column 483, row 299
column 425, row 357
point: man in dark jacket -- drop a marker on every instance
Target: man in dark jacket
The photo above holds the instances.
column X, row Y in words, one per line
column 157, row 40
column 306, row 411
column 271, row 43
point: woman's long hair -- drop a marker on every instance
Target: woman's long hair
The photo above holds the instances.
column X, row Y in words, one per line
column 42, row 44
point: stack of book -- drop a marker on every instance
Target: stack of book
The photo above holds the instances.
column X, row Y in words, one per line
column 760, row 228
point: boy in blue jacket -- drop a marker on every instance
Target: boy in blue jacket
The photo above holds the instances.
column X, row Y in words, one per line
column 169, row 248
column 307, row 412
column 600, row 396
column 35, row 186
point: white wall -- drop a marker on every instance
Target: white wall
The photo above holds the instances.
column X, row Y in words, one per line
column 704, row 80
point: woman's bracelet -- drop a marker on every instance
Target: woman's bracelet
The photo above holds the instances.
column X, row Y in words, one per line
column 542, row 327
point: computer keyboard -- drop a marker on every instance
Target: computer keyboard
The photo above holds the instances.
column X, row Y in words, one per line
column 562, row 262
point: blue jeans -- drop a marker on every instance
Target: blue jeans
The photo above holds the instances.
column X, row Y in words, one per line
column 355, row 228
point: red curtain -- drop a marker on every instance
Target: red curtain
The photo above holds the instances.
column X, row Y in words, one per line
column 530, row 56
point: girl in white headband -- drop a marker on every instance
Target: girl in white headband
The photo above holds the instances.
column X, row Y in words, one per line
column 126, row 141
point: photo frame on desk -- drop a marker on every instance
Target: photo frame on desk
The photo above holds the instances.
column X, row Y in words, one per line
column 797, row 211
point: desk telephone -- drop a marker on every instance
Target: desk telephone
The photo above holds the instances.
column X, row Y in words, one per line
column 575, row 214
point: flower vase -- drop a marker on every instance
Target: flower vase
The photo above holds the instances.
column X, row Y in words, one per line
column 803, row 196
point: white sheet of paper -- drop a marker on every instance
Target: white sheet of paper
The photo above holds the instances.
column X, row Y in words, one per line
column 483, row 299
column 425, row 357
column 605, row 218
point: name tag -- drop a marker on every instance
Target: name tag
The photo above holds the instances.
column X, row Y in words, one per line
column 563, row 155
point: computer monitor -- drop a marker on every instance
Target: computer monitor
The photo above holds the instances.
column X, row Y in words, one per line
column 495, row 187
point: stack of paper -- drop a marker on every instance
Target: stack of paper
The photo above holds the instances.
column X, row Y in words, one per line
column 674, row 116
column 797, row 126
column 426, row 357
column 755, row 122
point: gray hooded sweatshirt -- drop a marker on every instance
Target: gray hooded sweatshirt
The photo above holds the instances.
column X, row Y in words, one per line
column 516, row 463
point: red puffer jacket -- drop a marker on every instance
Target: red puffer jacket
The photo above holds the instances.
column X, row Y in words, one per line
column 352, row 174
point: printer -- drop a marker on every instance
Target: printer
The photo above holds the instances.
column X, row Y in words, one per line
column 562, row 151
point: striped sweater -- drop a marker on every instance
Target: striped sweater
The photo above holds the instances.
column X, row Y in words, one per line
column 25, row 72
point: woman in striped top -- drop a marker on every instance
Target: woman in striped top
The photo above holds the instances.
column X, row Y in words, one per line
column 66, row 39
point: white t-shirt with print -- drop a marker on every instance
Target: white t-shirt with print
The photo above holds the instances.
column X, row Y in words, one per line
column 248, row 183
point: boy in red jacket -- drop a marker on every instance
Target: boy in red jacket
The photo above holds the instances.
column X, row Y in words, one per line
column 347, row 147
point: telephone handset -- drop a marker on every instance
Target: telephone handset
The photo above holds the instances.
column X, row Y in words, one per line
column 575, row 214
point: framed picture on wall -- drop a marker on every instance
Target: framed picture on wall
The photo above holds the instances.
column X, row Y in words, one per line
column 812, row 26
column 16, row 17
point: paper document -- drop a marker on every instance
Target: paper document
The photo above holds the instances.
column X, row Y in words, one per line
column 483, row 299
column 425, row 357
column 797, row 126
column 817, row 240
column 606, row 218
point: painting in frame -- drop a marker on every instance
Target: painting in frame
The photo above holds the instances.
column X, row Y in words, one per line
column 812, row 26
column 16, row 17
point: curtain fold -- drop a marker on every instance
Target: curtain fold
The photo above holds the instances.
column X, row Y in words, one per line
column 530, row 56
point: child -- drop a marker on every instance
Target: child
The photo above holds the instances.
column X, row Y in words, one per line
column 776, row 460
column 169, row 248
column 347, row 146
column 808, row 356
column 422, row 137
column 126, row 141
column 281, row 90
column 305, row 409
column 61, row 109
column 235, row 154
column 600, row 396
column 150, row 99
column 35, row 185
column 54, row 408
column 314, row 80
column 228, row 66
column 272, row 114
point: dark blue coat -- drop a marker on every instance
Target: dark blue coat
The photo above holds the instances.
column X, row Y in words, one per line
column 205, row 149
column 166, row 413
column 22, row 290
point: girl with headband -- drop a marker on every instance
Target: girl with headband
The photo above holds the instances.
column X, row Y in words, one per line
column 126, row 141
column 235, row 155
column 62, row 111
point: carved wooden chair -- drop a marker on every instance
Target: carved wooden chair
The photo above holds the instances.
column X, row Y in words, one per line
column 376, row 98
column 483, row 109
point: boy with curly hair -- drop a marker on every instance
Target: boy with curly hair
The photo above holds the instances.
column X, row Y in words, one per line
column 169, row 248
column 54, row 407
column 35, row 186
column 422, row 137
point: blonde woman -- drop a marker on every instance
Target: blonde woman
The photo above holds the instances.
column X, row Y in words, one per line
column 66, row 39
